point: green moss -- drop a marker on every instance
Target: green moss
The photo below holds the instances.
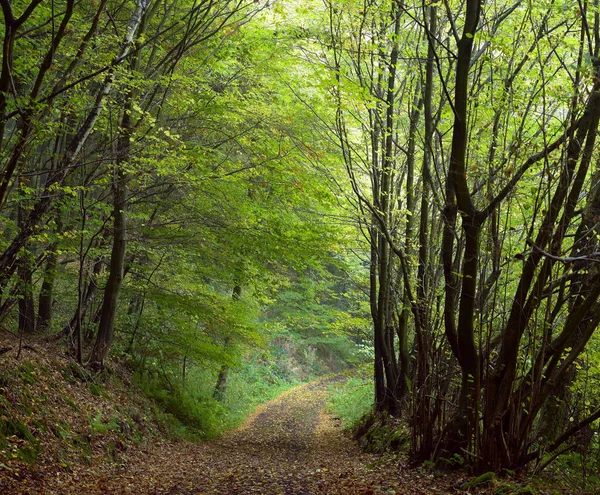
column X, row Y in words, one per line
column 524, row 490
column 97, row 390
column 379, row 433
column 40, row 425
column 488, row 478
column 27, row 372
column 5, row 380
column 83, row 448
column 26, row 410
column 67, row 374
column 29, row 450
column 503, row 489
column 456, row 460
column 29, row 453
column 71, row 404
column 10, row 427
column 61, row 430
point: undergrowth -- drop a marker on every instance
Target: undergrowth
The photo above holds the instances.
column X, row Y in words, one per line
column 189, row 409
column 352, row 399
column 54, row 411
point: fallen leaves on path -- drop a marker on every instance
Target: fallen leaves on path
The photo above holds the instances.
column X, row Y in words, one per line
column 289, row 446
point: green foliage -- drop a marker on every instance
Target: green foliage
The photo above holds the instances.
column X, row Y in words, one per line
column 351, row 400
column 17, row 439
column 27, row 372
column 224, row 183
column 380, row 433
column 485, row 479
column 193, row 412
column 524, row 490
column 97, row 389
column 100, row 425
column 9, row 427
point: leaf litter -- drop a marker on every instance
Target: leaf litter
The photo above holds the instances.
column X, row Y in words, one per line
column 288, row 446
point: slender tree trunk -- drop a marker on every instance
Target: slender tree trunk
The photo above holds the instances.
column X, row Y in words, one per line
column 117, row 262
column 378, row 373
column 460, row 333
column 25, row 271
column 108, row 314
column 221, row 385
column 26, row 305
column 88, row 298
column 422, row 418
column 223, row 378
column 115, row 277
column 46, row 297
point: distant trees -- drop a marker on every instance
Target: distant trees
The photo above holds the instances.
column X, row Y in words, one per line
column 130, row 135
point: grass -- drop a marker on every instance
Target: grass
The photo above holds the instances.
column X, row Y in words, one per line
column 192, row 412
column 249, row 387
column 100, row 426
column 351, row 400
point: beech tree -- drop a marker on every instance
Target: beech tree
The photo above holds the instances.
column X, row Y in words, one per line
column 153, row 168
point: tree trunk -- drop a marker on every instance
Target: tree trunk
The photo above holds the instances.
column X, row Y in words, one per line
column 25, row 284
column 115, row 277
column 117, row 261
column 46, row 297
column 458, row 199
column 26, row 305
column 223, row 378
column 422, row 418
column 221, row 385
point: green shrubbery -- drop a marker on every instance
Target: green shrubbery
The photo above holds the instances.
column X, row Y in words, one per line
column 249, row 386
column 352, row 399
column 190, row 408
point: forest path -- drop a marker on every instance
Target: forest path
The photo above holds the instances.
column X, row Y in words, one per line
column 289, row 446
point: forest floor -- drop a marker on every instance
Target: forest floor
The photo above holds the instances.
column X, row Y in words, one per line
column 288, row 446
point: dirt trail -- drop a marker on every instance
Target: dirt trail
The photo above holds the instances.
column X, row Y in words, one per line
column 289, row 446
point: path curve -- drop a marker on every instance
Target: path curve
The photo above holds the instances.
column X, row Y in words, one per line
column 289, row 446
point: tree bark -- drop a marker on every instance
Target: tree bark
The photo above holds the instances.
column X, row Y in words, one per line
column 106, row 327
column 223, row 377
column 25, row 286
column 31, row 225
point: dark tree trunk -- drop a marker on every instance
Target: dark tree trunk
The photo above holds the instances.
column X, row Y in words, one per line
column 25, row 285
column 26, row 305
column 460, row 333
column 221, row 385
column 108, row 313
column 46, row 297
column 422, row 445
column 90, row 293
